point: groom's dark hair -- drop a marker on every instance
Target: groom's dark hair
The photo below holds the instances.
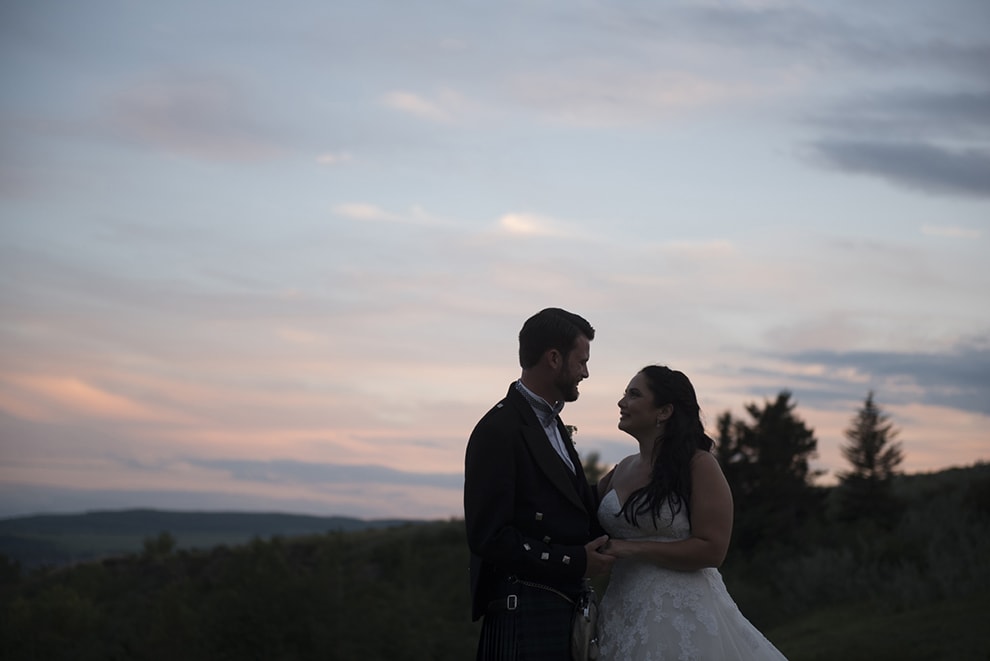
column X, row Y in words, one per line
column 551, row 328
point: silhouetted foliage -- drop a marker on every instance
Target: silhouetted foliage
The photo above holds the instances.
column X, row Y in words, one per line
column 865, row 490
column 10, row 571
column 383, row 594
column 766, row 464
column 936, row 551
column 593, row 468
column 160, row 546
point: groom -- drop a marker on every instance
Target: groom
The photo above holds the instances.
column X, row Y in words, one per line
column 529, row 511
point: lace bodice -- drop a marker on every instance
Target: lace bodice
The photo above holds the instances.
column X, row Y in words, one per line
column 666, row 528
column 650, row 613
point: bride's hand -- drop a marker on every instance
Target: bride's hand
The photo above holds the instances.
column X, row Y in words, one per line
column 617, row 548
column 599, row 562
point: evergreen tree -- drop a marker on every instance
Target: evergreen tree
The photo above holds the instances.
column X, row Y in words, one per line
column 771, row 453
column 875, row 455
column 766, row 462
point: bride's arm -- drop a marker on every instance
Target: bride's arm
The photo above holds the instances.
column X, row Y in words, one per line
column 711, row 524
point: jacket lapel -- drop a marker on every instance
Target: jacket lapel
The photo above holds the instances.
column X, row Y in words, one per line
column 543, row 453
column 585, row 491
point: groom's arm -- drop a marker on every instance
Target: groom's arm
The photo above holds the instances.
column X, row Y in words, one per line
column 491, row 478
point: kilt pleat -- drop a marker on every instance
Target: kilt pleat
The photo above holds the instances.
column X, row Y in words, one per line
column 538, row 630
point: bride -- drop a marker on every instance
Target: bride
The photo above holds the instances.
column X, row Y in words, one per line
column 668, row 512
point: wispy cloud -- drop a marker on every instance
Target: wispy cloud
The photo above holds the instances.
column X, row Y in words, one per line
column 951, row 231
column 902, row 113
column 445, row 106
column 363, row 211
column 959, row 379
column 935, row 142
column 415, row 215
column 604, row 93
column 701, row 250
column 333, row 158
column 61, row 398
column 926, row 167
column 200, row 116
column 527, row 224
column 286, row 470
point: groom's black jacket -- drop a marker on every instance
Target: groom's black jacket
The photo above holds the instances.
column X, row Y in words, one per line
column 526, row 514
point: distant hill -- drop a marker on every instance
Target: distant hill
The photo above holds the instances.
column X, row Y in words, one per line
column 59, row 539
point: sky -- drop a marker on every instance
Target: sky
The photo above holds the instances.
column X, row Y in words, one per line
column 275, row 256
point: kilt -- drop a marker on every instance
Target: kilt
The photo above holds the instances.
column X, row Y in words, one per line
column 538, row 629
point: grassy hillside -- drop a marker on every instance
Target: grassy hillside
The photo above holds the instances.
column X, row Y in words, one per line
column 392, row 594
column 919, row 590
column 953, row 630
column 397, row 593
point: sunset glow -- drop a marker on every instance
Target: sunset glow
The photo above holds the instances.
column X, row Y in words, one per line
column 257, row 258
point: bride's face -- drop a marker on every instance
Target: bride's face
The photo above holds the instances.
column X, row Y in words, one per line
column 637, row 413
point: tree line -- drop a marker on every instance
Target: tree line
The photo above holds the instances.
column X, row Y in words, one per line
column 766, row 461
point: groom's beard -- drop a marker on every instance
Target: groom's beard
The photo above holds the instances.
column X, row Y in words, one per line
column 567, row 385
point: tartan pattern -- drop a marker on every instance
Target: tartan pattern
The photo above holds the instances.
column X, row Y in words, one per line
column 538, row 630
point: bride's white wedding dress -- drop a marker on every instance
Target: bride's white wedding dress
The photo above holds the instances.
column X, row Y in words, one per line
column 649, row 613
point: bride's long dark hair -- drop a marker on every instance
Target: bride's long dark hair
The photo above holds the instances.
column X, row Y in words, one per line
column 683, row 435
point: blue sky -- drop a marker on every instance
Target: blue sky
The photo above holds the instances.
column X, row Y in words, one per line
column 276, row 256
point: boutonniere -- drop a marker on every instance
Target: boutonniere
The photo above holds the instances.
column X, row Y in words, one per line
column 571, row 430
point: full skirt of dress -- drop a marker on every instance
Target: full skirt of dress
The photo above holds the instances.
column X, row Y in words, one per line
column 649, row 613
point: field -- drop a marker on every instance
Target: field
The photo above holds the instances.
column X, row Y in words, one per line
column 955, row 630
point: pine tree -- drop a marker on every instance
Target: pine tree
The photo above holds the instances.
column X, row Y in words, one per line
column 875, row 455
column 766, row 462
